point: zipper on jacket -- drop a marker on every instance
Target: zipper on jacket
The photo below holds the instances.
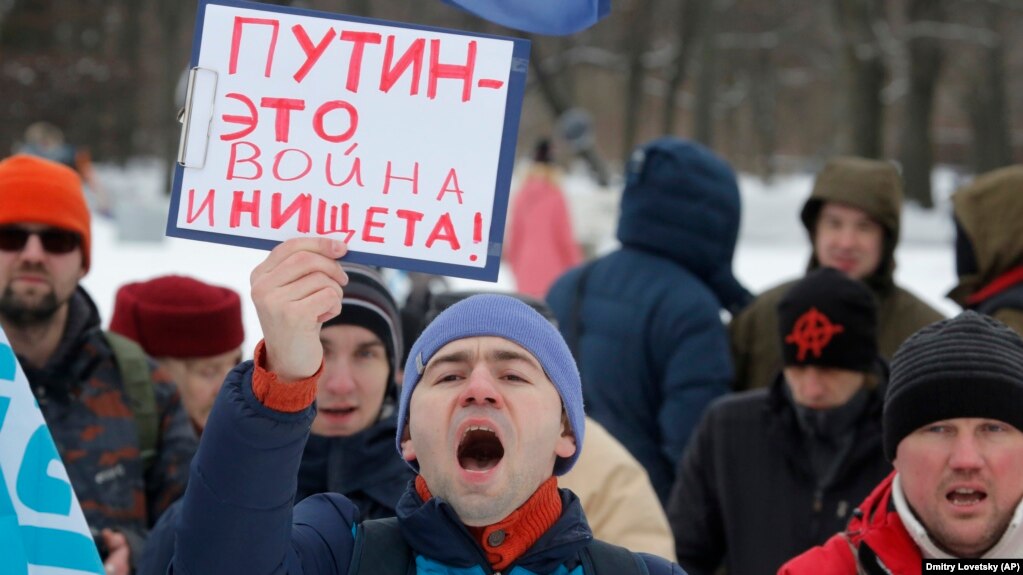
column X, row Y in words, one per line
column 817, row 506
column 843, row 508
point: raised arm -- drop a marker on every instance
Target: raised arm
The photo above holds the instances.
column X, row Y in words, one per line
column 237, row 512
column 295, row 289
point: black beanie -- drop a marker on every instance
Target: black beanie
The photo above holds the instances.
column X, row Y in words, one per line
column 367, row 303
column 829, row 320
column 967, row 366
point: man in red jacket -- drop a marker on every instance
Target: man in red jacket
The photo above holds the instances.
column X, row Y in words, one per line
column 952, row 429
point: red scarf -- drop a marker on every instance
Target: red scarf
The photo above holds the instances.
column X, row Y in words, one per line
column 997, row 286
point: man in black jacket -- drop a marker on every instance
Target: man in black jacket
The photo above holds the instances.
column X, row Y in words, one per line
column 774, row 471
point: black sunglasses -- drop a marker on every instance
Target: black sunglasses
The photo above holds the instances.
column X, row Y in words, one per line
column 55, row 241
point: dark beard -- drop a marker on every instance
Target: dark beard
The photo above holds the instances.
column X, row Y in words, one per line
column 21, row 316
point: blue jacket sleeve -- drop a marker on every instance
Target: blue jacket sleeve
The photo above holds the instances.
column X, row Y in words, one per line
column 156, row 556
column 660, row 566
column 237, row 514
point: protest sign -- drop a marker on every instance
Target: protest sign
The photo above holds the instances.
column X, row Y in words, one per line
column 398, row 139
column 42, row 528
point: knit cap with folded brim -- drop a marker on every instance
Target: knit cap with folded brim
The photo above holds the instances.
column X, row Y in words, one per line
column 179, row 317
column 967, row 366
column 369, row 304
column 40, row 191
column 828, row 319
column 506, row 317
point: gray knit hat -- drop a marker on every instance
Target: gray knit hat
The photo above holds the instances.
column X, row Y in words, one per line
column 368, row 303
column 967, row 366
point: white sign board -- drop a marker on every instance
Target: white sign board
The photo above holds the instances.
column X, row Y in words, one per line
column 397, row 139
column 42, row 528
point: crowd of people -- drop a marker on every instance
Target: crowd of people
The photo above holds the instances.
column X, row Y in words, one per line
column 640, row 412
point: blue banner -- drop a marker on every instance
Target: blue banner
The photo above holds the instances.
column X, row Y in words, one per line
column 42, row 528
column 557, row 18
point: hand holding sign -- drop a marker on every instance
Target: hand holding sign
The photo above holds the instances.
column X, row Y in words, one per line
column 296, row 289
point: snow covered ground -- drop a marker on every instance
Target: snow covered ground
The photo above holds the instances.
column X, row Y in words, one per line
column 772, row 242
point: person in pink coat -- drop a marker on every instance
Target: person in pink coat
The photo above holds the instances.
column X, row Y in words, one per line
column 540, row 245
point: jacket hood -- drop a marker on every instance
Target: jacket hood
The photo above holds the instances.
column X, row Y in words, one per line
column 681, row 201
column 873, row 186
column 988, row 212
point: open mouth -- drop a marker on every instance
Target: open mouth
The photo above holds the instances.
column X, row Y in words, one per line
column 336, row 411
column 480, row 449
column 963, row 496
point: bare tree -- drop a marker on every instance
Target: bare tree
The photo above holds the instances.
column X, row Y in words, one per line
column 862, row 74
column 636, row 40
column 988, row 109
column 706, row 85
column 558, row 103
column 925, row 61
column 763, row 101
column 689, row 15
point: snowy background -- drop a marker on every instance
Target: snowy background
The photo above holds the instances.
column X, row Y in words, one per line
column 773, row 246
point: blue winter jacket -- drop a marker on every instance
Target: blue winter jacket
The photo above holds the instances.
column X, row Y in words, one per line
column 361, row 466
column 645, row 321
column 237, row 515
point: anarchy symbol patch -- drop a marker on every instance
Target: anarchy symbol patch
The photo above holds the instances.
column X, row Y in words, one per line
column 812, row 332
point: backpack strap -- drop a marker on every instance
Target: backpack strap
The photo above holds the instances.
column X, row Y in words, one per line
column 380, row 549
column 601, row 558
column 133, row 364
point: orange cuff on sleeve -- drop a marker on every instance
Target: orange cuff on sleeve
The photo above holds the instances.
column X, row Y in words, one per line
column 284, row 396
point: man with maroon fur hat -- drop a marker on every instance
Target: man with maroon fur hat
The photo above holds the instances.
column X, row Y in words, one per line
column 193, row 330
column 78, row 374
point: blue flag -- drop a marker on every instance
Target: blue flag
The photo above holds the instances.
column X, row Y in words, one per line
column 547, row 17
column 41, row 523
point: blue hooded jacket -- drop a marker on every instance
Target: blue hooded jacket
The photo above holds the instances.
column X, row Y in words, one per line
column 645, row 321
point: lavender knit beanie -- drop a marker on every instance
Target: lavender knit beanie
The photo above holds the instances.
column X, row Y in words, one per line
column 506, row 317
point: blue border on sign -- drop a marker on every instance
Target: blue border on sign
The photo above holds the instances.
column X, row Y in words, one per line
column 506, row 160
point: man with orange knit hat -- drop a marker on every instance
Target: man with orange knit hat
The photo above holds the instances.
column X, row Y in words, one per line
column 116, row 420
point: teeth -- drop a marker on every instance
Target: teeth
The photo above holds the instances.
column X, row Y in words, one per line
column 478, row 428
column 965, row 491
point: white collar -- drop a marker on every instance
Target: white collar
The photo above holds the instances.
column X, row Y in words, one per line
column 1008, row 547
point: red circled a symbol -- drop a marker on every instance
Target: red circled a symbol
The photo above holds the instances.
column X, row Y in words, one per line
column 812, row 332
